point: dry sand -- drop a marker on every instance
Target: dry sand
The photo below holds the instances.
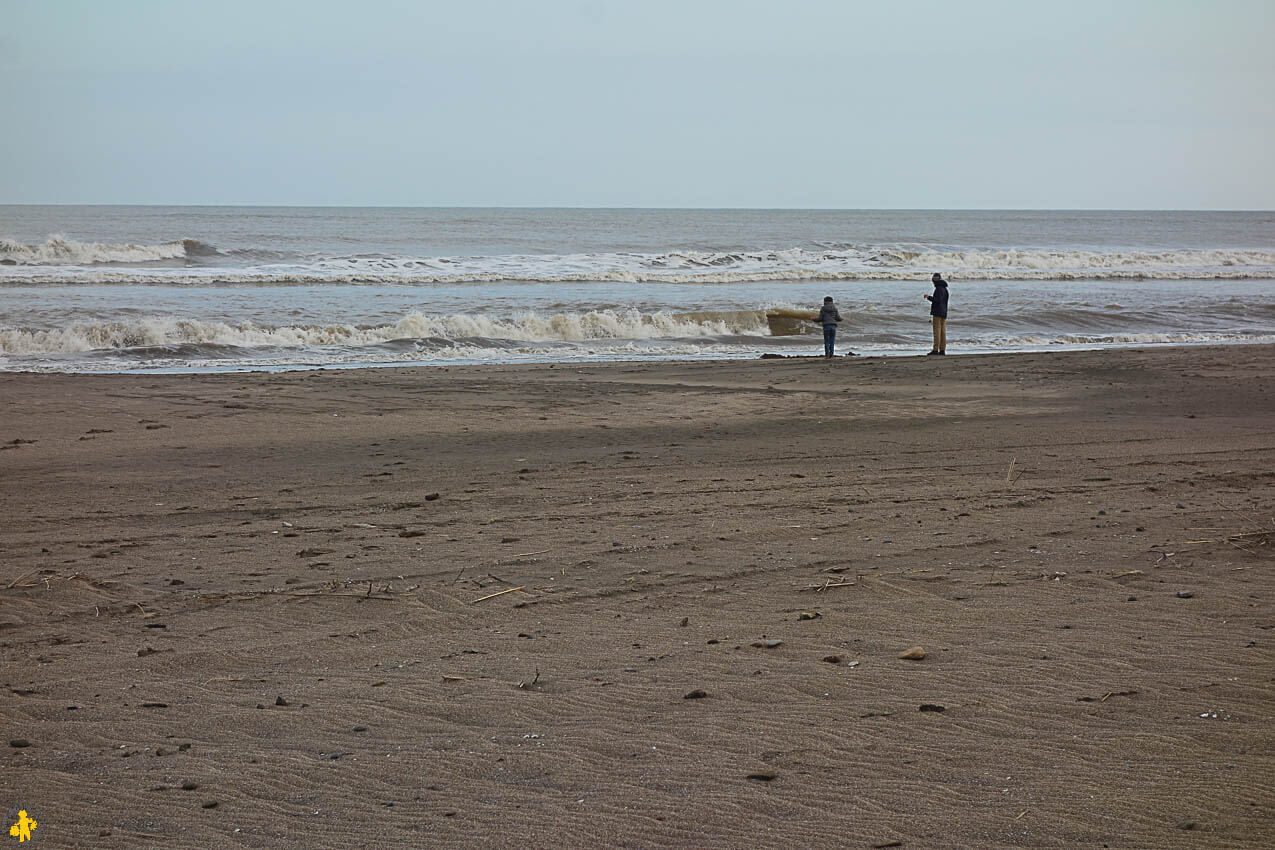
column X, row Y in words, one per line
column 243, row 610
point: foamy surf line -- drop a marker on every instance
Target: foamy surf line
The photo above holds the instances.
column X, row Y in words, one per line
column 63, row 261
column 527, row 327
column 186, row 345
column 60, row 251
column 179, row 362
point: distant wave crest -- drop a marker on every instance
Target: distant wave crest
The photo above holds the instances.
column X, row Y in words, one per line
column 60, row 251
column 842, row 263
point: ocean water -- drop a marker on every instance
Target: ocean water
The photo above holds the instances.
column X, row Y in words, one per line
column 90, row 289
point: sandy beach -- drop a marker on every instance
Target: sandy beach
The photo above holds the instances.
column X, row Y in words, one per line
column 646, row 604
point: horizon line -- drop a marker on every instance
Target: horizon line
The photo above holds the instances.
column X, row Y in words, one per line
column 648, row 208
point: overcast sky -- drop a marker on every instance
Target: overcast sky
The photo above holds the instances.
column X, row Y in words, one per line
column 652, row 103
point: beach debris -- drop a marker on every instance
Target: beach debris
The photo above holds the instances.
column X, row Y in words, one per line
column 762, row 776
column 19, row 743
column 819, row 588
column 832, row 659
column 915, row 653
column 154, row 705
column 358, row 727
column 189, row 786
column 209, row 804
column 279, row 700
column 880, row 845
column 932, row 706
column 432, row 497
column 809, row 615
column 1187, row 824
column 411, row 533
column 526, row 685
column 696, row 694
column 1108, row 695
column 1124, row 573
column 686, row 621
column 1243, row 540
column 499, row 593
column 769, row 643
column 1185, row 594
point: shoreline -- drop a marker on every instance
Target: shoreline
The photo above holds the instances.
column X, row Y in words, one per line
column 362, row 606
column 975, row 351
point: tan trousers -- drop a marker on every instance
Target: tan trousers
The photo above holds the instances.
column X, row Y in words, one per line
column 940, row 333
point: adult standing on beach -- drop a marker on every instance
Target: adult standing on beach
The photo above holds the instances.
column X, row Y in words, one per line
column 828, row 317
column 938, row 313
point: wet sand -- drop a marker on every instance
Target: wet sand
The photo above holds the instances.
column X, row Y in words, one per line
column 266, row 610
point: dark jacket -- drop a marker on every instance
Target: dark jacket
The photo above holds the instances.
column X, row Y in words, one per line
column 828, row 315
column 938, row 301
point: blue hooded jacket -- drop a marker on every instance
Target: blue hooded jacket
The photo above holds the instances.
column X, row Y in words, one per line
column 938, row 301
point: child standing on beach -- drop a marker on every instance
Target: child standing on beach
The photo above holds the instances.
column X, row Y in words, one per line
column 938, row 313
column 828, row 317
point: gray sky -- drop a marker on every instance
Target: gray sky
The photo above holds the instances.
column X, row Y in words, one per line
column 655, row 103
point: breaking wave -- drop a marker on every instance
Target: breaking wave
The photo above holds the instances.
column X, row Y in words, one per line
column 60, row 251
column 525, row 327
column 205, row 264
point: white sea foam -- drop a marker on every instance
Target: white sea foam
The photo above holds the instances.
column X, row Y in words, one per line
column 524, row 327
column 60, row 251
column 1118, row 339
column 48, row 263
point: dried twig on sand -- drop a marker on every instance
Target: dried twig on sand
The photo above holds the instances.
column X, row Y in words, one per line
column 1244, row 540
column 298, row 594
column 14, row 583
column 819, row 588
column 499, row 593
